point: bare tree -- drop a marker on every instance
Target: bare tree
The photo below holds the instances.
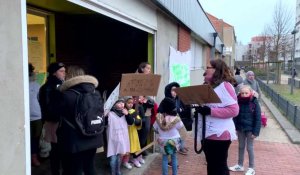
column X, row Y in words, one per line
column 265, row 48
column 279, row 28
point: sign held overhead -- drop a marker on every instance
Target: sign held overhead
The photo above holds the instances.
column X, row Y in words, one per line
column 139, row 84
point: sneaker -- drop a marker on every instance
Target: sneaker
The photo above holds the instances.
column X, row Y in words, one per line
column 250, row 171
column 236, row 168
column 142, row 161
column 136, row 163
column 183, row 151
column 127, row 165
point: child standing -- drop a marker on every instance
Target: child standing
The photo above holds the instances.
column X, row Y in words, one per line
column 248, row 124
column 145, row 106
column 167, row 125
column 133, row 135
column 183, row 111
column 117, row 134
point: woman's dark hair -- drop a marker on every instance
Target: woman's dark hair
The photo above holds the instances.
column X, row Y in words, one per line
column 142, row 66
column 222, row 73
column 30, row 69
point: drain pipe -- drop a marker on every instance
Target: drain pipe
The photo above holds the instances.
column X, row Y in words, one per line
column 212, row 53
column 222, row 49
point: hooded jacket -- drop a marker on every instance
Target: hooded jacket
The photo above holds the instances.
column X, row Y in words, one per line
column 249, row 117
column 72, row 141
column 183, row 111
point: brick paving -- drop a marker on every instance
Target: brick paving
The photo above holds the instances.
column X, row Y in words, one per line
column 271, row 158
column 274, row 155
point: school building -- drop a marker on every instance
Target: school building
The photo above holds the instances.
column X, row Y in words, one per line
column 105, row 37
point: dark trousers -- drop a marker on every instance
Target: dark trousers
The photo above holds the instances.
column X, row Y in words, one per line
column 216, row 153
column 79, row 163
column 35, row 133
column 55, row 159
column 144, row 131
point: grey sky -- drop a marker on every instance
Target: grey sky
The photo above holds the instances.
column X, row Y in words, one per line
column 248, row 17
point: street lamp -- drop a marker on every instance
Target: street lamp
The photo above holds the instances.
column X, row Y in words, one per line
column 293, row 72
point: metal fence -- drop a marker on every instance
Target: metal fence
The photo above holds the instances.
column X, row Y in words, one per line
column 291, row 111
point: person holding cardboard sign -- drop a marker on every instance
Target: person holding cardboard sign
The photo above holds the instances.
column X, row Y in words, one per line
column 220, row 129
column 147, row 110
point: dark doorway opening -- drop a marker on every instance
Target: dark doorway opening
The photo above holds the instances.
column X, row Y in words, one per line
column 104, row 47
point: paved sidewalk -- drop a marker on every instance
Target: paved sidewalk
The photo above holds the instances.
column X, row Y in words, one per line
column 274, row 154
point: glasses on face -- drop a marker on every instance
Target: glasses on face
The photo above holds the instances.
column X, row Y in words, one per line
column 209, row 67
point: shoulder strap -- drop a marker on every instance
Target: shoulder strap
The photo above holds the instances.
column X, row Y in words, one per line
column 77, row 99
column 77, row 92
column 69, row 123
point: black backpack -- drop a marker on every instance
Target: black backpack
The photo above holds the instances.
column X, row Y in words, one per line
column 89, row 113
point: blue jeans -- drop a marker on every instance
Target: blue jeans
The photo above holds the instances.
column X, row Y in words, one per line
column 165, row 164
column 115, row 164
column 182, row 144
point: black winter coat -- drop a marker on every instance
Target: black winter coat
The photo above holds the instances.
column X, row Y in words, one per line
column 49, row 98
column 249, row 117
column 71, row 139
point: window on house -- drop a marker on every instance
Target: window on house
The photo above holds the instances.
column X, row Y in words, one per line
column 197, row 55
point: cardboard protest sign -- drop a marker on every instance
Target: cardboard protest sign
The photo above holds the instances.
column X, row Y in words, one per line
column 111, row 100
column 199, row 94
column 139, row 84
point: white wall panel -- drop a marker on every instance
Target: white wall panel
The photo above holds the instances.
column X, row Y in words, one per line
column 132, row 12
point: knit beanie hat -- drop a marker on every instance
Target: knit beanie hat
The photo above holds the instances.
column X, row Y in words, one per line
column 53, row 67
column 126, row 98
column 168, row 105
column 249, row 73
column 120, row 100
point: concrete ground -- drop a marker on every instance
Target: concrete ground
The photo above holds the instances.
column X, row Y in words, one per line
column 101, row 165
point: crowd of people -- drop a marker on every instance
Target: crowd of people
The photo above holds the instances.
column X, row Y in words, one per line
column 131, row 120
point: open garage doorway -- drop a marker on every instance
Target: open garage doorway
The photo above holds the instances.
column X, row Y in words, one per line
column 74, row 35
column 103, row 46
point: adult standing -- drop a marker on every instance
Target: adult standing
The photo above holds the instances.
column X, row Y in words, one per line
column 35, row 116
column 239, row 80
column 78, row 150
column 148, row 105
column 220, row 129
column 250, row 80
column 49, row 98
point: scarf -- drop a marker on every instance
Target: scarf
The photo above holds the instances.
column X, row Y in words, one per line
column 244, row 100
column 117, row 111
